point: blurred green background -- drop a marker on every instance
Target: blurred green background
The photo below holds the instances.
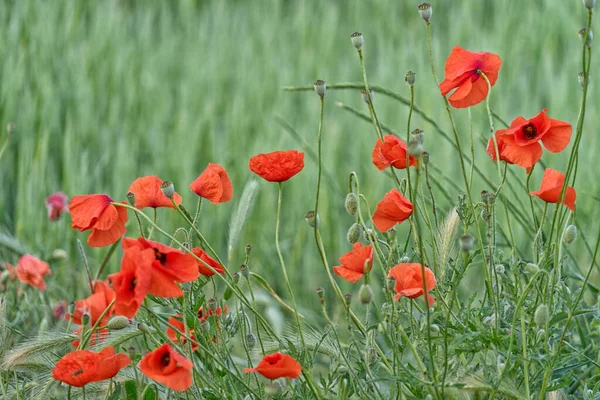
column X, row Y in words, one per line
column 104, row 92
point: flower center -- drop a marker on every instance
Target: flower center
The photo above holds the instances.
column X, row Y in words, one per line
column 133, row 283
column 529, row 131
column 162, row 258
column 166, row 360
column 78, row 372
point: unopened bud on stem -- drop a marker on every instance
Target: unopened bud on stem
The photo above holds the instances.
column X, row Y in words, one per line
column 541, row 315
column 320, row 87
column 466, row 242
column 354, row 232
column 357, row 39
column 118, row 322
column 312, row 219
column 425, row 11
column 570, row 234
column 365, row 96
column 351, row 204
column 365, row 294
column 410, row 78
column 589, row 4
column 168, row 189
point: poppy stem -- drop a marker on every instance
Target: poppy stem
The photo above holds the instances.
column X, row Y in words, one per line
column 410, row 112
column 85, row 264
column 107, row 256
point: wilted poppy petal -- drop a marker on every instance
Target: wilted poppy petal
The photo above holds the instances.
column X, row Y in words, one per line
column 148, row 193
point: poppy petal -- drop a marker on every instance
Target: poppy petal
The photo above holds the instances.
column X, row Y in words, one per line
column 558, row 136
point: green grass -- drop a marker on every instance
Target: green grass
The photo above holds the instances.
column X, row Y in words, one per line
column 104, row 92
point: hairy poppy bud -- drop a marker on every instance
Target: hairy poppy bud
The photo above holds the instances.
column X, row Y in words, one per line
column 425, row 11
column 236, row 278
column 245, row 271
column 372, row 355
column 404, row 260
column 409, row 78
column 366, row 96
column 365, row 294
column 348, row 299
column 357, row 39
column 59, row 255
column 434, row 328
column 425, row 157
column 212, row 304
column 168, row 189
column 499, row 269
column 541, row 315
column 118, row 322
column 11, row 128
column 391, row 235
column 589, row 4
column 531, row 268
column 418, row 135
column 144, row 328
column 370, row 235
column 590, row 36
column 312, row 219
column 390, row 283
column 205, row 325
column 251, row 340
column 354, row 232
column 131, row 199
column 415, row 148
column 351, row 203
column 320, row 87
column 570, row 234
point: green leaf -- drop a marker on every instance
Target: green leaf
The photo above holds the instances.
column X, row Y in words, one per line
column 116, row 393
column 150, row 393
column 130, row 390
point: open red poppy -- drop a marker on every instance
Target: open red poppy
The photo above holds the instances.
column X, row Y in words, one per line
column 278, row 166
column 148, row 193
column 392, row 210
column 174, row 335
column 95, row 212
column 57, row 204
column 277, row 365
column 166, row 366
column 355, row 263
column 551, row 188
column 203, row 269
column 392, row 151
column 409, row 281
column 80, row 367
column 213, row 184
column 461, row 73
column 95, row 304
column 132, row 282
column 31, row 270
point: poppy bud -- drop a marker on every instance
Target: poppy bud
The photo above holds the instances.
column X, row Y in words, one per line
column 168, row 189
column 499, row 269
column 590, row 36
column 321, row 294
column 425, row 158
column 404, row 260
column 365, row 294
column 541, row 315
column 589, row 4
column 59, row 255
column 357, row 39
column 390, row 283
column 118, row 322
column 212, row 304
column 250, row 340
column 131, row 199
column 236, row 278
column 409, row 78
column 272, row 389
column 372, row 355
column 418, row 135
column 391, row 235
column 415, row 148
column 312, row 219
column 370, row 235
column 144, row 328
column 570, row 234
column 244, row 270
column 351, row 203
column 365, row 96
column 425, row 11
column 205, row 325
column 434, row 328
column 85, row 319
column 531, row 268
column 354, row 232
column 488, row 197
column 320, row 87
column 348, row 299
column 11, row 128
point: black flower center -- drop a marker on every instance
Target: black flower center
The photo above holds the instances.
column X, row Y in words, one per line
column 161, row 257
column 78, row 372
column 166, row 360
column 529, row 131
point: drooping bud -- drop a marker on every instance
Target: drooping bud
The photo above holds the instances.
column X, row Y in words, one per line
column 250, row 340
column 590, row 36
column 351, row 203
column 425, row 11
column 320, row 87
column 357, row 39
column 244, row 270
column 541, row 315
column 131, row 199
column 365, row 96
column 418, row 135
column 212, row 304
column 425, row 158
column 354, row 232
column 312, row 219
column 570, row 234
column 409, row 78
column 415, row 148
column 59, row 255
column 589, row 4
column 321, row 294
column 532, row 268
column 168, row 189
column 118, row 322
column 236, row 278
column 348, row 299
column 365, row 294
column 390, row 283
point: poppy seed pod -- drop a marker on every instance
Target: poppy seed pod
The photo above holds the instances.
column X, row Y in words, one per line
column 418, row 135
column 425, row 11
column 118, row 322
column 312, row 219
column 365, row 294
column 409, row 78
column 250, row 340
column 85, row 319
column 348, row 299
column 425, row 158
column 541, row 315
column 415, row 148
column 354, row 232
column 320, row 87
column 391, row 235
column 366, row 96
column 590, row 36
column 370, row 235
column 351, row 204
column 372, row 355
column 589, row 4
column 357, row 39
column 168, row 189
column 570, row 234
column 236, row 278
column 213, row 304
column 245, row 271
column 248, row 249
column 131, row 199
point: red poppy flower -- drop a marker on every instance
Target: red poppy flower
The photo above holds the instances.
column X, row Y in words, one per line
column 213, row 184
column 551, row 188
column 133, row 281
column 60, row 309
column 96, row 212
column 148, row 193
column 56, row 204
column 277, row 365
column 392, row 151
column 32, row 270
column 168, row 267
column 461, row 72
column 409, row 281
column 95, row 304
column 218, row 312
column 392, row 210
column 278, row 166
column 81, row 367
column 97, row 337
column 203, row 269
column 355, row 263
column 166, row 366
column 174, row 335
column 519, row 144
